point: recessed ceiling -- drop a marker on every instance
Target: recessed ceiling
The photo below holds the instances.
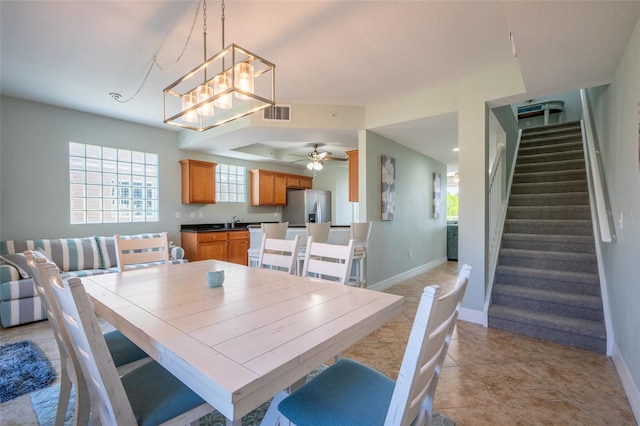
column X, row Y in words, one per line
column 74, row 53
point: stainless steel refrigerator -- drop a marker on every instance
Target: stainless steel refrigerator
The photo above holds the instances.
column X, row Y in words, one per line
column 307, row 206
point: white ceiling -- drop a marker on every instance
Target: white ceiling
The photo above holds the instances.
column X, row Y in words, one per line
column 74, row 53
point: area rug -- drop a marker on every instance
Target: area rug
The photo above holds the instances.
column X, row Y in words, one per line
column 45, row 404
column 24, row 368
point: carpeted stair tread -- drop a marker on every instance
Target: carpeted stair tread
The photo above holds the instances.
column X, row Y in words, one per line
column 577, row 163
column 549, row 212
column 560, row 146
column 540, row 254
column 576, row 185
column 550, row 156
column 575, row 277
column 549, row 198
column 549, row 226
column 583, row 243
column 549, row 176
column 575, row 239
column 558, row 297
column 540, row 139
column 549, row 321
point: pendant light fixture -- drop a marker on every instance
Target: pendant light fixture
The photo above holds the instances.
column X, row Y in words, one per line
column 231, row 84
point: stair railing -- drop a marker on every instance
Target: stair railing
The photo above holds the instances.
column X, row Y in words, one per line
column 595, row 171
column 496, row 199
column 499, row 189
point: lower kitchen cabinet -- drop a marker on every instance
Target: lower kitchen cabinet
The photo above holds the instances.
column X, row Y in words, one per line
column 230, row 246
column 238, row 247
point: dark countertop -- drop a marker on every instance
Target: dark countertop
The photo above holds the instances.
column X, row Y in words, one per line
column 217, row 227
column 240, row 226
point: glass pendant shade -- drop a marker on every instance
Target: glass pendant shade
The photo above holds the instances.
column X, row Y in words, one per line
column 244, row 78
column 204, row 92
column 314, row 165
column 189, row 100
column 221, row 83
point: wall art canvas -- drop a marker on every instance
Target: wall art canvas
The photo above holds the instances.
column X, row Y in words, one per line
column 435, row 211
column 388, row 187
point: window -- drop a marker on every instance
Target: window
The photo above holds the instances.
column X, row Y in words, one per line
column 231, row 183
column 110, row 185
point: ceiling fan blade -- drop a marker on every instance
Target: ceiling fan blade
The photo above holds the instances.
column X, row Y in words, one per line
column 321, row 155
column 334, row 159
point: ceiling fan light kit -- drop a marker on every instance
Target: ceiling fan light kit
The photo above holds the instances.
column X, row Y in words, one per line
column 315, row 165
column 230, row 85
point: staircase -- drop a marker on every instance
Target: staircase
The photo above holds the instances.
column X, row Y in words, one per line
column 546, row 282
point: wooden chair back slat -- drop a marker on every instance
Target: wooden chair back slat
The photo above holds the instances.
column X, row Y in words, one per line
column 137, row 251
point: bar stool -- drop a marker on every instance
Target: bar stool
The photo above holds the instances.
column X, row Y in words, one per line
column 275, row 230
column 360, row 232
column 320, row 234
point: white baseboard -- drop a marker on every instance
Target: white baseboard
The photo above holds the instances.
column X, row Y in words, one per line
column 629, row 385
column 471, row 315
column 397, row 279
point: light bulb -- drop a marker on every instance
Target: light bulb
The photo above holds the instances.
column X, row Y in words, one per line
column 204, row 92
column 244, row 79
column 310, row 166
column 221, row 83
column 189, row 100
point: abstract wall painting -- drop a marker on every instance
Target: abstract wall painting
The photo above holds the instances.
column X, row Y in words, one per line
column 437, row 185
column 388, row 187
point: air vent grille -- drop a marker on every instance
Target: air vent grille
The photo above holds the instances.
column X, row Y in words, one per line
column 277, row 113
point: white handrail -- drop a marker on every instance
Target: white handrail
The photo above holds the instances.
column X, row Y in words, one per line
column 597, row 181
column 496, row 198
column 499, row 191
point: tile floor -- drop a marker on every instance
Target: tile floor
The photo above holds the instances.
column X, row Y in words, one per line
column 490, row 377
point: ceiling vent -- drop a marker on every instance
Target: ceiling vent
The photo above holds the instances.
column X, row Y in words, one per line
column 277, row 113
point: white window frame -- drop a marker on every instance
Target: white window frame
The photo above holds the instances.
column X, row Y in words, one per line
column 112, row 185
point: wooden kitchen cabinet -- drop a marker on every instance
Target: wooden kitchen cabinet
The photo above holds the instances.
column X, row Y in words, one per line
column 299, row 182
column 198, row 182
column 352, row 157
column 306, row 182
column 268, row 188
column 238, row 248
column 229, row 246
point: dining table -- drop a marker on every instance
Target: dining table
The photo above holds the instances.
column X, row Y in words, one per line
column 242, row 343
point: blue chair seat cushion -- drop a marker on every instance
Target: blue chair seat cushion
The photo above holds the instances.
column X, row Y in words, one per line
column 156, row 395
column 346, row 394
column 123, row 351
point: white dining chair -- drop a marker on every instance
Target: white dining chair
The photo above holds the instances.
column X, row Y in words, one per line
column 137, row 251
column 279, row 254
column 147, row 395
column 126, row 355
column 349, row 393
column 331, row 262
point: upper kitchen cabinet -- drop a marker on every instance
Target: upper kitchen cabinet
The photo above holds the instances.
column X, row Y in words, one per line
column 198, row 182
column 268, row 188
column 352, row 156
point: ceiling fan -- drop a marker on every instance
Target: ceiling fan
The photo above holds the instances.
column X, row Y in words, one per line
column 317, row 158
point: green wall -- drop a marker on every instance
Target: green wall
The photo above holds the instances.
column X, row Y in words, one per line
column 617, row 116
column 34, row 179
column 412, row 228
